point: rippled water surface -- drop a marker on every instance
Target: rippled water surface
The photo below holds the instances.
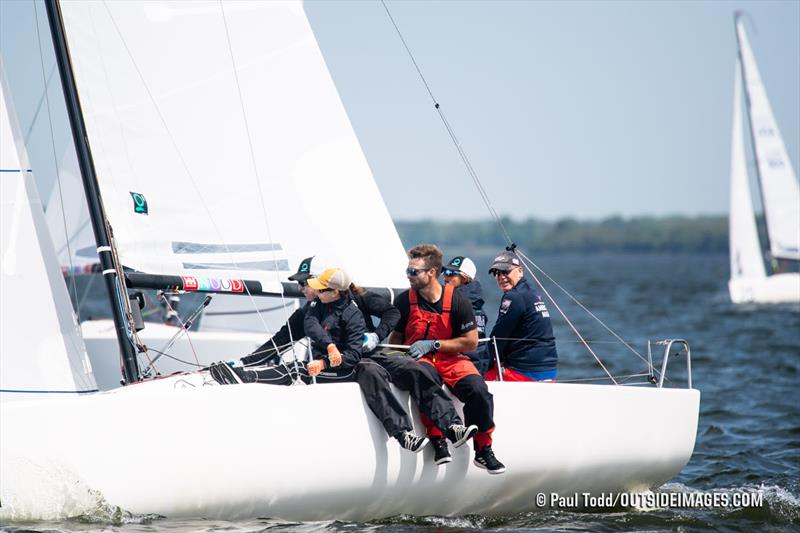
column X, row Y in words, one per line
column 745, row 361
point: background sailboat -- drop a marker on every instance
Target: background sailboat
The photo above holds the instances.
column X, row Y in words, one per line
column 780, row 194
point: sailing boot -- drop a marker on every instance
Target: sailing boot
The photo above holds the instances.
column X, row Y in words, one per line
column 224, row 374
column 484, row 458
column 459, row 434
column 441, row 454
column 411, row 442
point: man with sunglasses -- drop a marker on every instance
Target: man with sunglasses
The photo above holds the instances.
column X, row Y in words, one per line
column 525, row 341
column 439, row 324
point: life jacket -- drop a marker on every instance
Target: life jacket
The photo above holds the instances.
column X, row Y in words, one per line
column 429, row 325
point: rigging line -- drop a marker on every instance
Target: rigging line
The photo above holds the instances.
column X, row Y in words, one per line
column 450, row 131
column 574, row 299
column 179, row 153
column 46, row 87
column 255, row 166
column 183, row 328
column 165, row 354
column 474, row 175
column 569, row 322
column 72, row 283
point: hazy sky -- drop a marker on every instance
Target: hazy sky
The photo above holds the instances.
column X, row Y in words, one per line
column 582, row 109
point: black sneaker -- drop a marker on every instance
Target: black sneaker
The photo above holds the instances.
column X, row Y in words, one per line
column 459, row 434
column 411, row 442
column 484, row 458
column 224, row 374
column 441, row 454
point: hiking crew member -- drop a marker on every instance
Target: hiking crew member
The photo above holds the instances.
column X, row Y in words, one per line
column 439, row 324
column 377, row 370
column 336, row 328
column 269, row 353
column 525, row 341
column 460, row 272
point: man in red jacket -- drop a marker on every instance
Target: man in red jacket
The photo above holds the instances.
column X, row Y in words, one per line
column 439, row 324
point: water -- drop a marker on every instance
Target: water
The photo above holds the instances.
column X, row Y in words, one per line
column 745, row 361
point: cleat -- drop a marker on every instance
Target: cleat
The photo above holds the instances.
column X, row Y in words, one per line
column 484, row 458
column 411, row 442
column 459, row 434
column 224, row 374
column 441, row 454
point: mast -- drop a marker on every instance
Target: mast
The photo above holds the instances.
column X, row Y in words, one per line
column 130, row 368
column 736, row 16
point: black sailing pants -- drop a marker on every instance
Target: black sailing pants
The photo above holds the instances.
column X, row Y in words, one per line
column 423, row 382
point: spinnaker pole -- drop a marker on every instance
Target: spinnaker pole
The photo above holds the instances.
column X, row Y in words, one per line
column 130, row 369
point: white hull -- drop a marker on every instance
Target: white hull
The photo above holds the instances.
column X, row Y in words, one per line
column 316, row 452
column 775, row 289
column 203, row 347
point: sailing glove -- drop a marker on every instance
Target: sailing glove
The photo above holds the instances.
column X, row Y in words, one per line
column 421, row 348
column 370, row 342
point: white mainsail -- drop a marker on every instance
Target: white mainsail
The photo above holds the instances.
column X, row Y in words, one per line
column 779, row 187
column 165, row 90
column 745, row 250
column 42, row 351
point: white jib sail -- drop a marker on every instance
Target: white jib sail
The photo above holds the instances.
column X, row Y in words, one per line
column 221, row 144
column 779, row 188
column 42, row 351
column 745, row 250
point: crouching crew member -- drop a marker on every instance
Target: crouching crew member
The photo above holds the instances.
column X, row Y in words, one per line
column 439, row 324
column 525, row 341
column 460, row 272
column 335, row 327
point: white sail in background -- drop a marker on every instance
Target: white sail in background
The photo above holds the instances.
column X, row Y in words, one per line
column 42, row 351
column 779, row 187
column 745, row 250
column 166, row 120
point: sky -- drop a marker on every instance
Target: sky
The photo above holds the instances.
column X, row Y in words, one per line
column 565, row 109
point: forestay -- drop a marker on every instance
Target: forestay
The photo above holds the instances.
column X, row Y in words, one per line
column 221, row 145
column 779, row 189
column 745, row 250
column 42, row 351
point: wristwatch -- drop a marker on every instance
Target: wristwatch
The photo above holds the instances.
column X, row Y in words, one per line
column 437, row 345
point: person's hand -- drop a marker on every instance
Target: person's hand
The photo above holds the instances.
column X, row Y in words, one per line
column 315, row 367
column 334, row 356
column 234, row 363
column 421, row 348
column 370, row 341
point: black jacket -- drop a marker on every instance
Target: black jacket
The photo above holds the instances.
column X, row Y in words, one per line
column 523, row 317
column 269, row 352
column 340, row 323
column 374, row 305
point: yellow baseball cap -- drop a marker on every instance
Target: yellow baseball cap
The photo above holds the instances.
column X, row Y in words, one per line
column 332, row 278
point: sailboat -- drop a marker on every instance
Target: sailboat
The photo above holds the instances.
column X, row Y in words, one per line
column 182, row 446
column 780, row 193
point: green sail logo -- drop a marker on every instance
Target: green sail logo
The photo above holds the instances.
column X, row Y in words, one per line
column 139, row 203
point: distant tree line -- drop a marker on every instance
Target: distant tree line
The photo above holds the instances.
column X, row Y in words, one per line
column 640, row 234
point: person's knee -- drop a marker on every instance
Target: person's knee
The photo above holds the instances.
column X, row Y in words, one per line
column 472, row 387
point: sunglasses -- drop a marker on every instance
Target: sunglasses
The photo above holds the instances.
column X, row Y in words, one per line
column 413, row 272
column 498, row 273
column 326, row 290
column 302, row 284
column 449, row 272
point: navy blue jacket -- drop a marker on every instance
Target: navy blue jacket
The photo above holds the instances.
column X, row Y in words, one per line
column 339, row 322
column 474, row 292
column 523, row 316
